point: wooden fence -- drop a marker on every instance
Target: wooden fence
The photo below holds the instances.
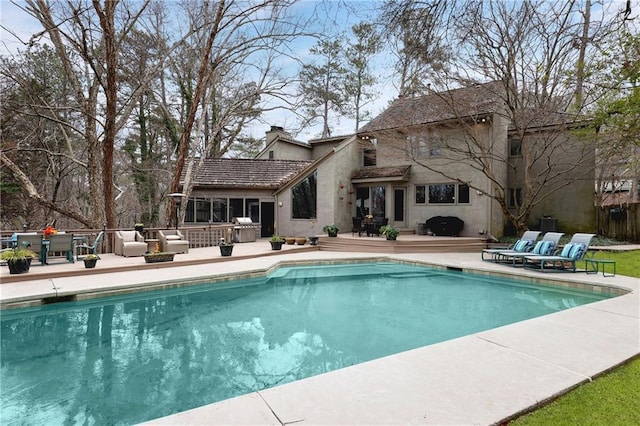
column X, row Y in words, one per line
column 619, row 222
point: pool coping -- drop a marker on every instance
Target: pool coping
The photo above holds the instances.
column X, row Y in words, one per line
column 508, row 370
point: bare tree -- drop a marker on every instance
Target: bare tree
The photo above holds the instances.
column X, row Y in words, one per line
column 235, row 53
column 417, row 32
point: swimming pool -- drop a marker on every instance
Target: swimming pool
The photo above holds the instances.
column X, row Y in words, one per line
column 132, row 358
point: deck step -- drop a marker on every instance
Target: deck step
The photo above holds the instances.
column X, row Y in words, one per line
column 408, row 245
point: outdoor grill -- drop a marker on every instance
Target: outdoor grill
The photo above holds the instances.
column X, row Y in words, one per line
column 244, row 231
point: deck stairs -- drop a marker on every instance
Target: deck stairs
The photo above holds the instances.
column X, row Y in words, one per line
column 405, row 243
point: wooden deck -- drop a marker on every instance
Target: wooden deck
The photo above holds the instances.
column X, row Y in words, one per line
column 404, row 244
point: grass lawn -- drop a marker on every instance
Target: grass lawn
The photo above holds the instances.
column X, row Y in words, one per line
column 611, row 399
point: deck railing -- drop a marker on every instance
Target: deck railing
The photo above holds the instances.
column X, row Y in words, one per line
column 198, row 236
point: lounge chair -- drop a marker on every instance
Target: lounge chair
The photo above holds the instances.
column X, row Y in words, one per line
column 524, row 244
column 172, row 240
column 545, row 247
column 565, row 259
column 129, row 243
column 60, row 243
column 90, row 249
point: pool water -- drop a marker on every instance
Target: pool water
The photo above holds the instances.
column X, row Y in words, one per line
column 127, row 359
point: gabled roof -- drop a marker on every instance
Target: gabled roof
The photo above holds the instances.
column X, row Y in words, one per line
column 444, row 106
column 247, row 173
column 374, row 174
column 283, row 139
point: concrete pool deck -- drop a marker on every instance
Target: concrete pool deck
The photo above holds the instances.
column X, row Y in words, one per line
column 482, row 378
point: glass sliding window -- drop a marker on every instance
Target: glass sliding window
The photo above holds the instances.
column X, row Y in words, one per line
column 220, row 210
column 304, row 196
column 253, row 209
column 363, row 201
column 189, row 215
column 236, row 208
column 378, row 199
column 203, row 210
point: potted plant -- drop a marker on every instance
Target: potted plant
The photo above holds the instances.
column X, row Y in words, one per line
column 225, row 248
column 276, row 242
column 331, row 230
column 90, row 261
column 18, row 259
column 390, row 231
column 313, row 240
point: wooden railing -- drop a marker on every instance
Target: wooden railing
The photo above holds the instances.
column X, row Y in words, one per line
column 198, row 236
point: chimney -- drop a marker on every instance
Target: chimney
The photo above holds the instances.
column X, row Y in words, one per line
column 276, row 131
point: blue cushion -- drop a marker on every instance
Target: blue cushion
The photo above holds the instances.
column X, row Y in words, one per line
column 543, row 247
column 577, row 251
column 573, row 250
column 522, row 245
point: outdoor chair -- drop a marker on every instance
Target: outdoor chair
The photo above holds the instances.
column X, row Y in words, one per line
column 356, row 226
column 60, row 243
column 545, row 247
column 565, row 259
column 523, row 245
column 32, row 241
column 129, row 243
column 90, row 249
column 172, row 240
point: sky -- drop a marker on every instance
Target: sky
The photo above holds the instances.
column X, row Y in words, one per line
column 16, row 26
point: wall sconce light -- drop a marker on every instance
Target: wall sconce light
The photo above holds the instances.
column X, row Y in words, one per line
column 479, row 192
column 279, row 203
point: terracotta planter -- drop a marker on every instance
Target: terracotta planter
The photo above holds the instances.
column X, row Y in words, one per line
column 301, row 241
column 19, row 266
column 290, row 240
column 226, row 250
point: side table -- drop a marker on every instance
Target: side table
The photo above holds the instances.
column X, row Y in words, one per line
column 592, row 266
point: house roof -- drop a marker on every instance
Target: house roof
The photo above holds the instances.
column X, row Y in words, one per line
column 373, row 174
column 330, row 139
column 413, row 111
column 247, row 173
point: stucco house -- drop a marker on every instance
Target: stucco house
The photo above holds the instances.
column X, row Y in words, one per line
column 407, row 165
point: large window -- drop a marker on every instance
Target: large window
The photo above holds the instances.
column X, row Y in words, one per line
column 221, row 210
column 304, row 196
column 515, row 197
column 443, row 193
column 515, row 147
